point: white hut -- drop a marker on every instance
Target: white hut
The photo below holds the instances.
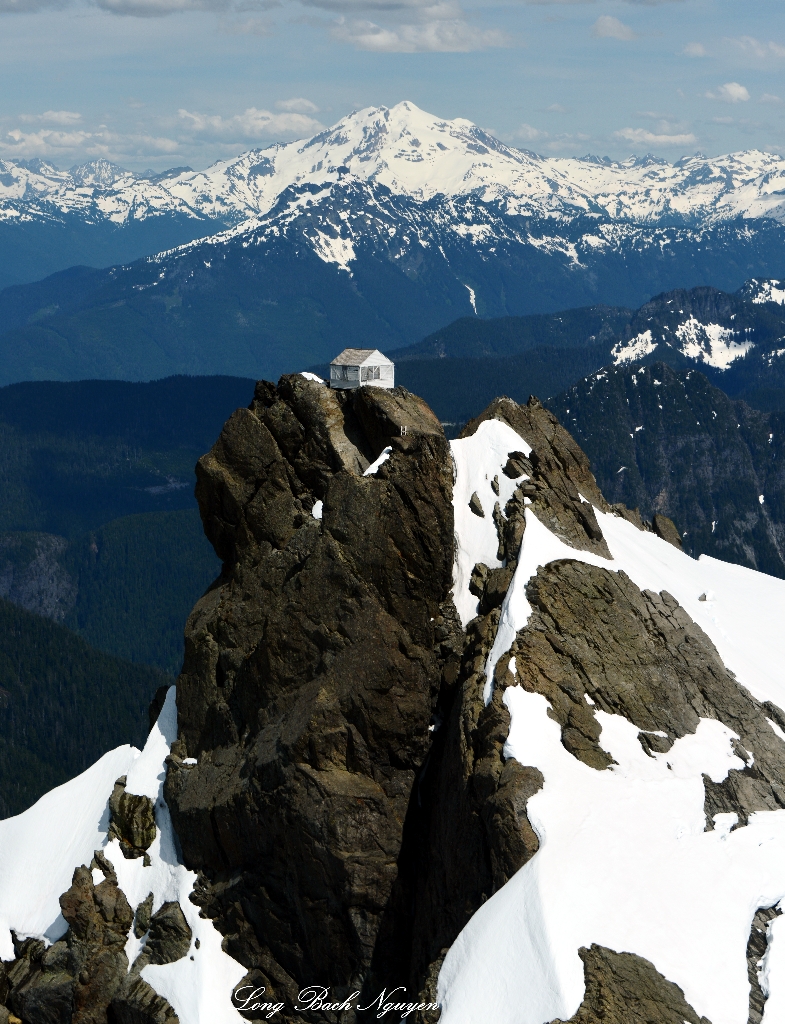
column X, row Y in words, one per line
column 362, row 367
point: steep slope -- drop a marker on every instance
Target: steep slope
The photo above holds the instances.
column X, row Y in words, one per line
column 448, row 721
column 668, row 442
column 62, row 704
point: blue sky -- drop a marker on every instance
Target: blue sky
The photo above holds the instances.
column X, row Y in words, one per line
column 159, row 83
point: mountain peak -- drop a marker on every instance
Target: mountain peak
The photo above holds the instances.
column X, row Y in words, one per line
column 98, row 172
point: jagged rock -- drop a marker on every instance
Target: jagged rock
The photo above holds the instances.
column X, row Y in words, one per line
column 559, row 474
column 476, row 834
column 476, row 505
column 639, row 654
column 101, row 862
column 142, row 916
column 131, row 820
column 75, row 979
column 169, row 939
column 631, row 515
column 312, row 672
column 756, row 950
column 666, row 529
column 479, row 579
column 136, row 1002
column 622, row 988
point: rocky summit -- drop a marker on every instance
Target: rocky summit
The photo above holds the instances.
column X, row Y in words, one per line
column 455, row 739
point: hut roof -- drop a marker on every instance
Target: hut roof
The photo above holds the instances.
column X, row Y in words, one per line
column 359, row 357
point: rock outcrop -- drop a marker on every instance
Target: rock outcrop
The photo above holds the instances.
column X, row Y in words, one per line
column 312, row 673
column 83, row 978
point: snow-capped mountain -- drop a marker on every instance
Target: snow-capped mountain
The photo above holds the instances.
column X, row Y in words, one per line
column 392, row 224
column 581, row 209
column 413, row 153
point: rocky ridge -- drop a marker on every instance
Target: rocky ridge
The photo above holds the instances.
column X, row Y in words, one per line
column 340, row 781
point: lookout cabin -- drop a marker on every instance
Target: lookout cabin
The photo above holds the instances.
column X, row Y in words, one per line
column 362, row 367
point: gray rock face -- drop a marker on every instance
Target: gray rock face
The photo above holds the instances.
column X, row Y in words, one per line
column 312, row 672
column 640, row 655
column 351, row 806
column 559, row 473
column 622, row 988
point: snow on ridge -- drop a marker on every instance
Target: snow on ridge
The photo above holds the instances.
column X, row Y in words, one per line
column 624, row 860
column 766, row 291
column 638, row 347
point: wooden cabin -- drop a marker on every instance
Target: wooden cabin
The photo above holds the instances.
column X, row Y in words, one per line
column 362, row 367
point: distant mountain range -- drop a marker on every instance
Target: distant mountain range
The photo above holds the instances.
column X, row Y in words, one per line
column 736, row 340
column 383, row 228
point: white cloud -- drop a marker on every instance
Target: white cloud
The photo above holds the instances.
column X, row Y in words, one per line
column 298, row 105
column 606, row 27
column 758, row 49
column 556, row 108
column 61, row 117
column 769, row 97
column 439, row 29
column 730, row 92
column 47, row 142
column 694, row 50
column 528, row 133
column 642, row 137
column 251, row 126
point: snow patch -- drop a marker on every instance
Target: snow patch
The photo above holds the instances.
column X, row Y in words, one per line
column 767, row 291
column 40, row 848
column 477, row 460
column 371, row 470
column 710, row 343
column 624, row 861
column 334, row 249
column 636, row 348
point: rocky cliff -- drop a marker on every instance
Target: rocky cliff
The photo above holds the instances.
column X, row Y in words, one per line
column 670, row 442
column 429, row 678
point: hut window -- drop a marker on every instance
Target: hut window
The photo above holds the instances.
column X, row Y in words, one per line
column 369, row 373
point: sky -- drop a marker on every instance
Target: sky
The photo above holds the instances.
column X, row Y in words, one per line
column 153, row 84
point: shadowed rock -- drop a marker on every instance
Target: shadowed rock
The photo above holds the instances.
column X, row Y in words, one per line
column 311, row 675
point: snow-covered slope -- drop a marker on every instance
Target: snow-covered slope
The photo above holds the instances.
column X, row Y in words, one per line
column 40, row 849
column 624, row 859
column 415, row 154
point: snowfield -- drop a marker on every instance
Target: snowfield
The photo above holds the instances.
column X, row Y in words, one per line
column 624, row 860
